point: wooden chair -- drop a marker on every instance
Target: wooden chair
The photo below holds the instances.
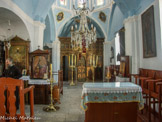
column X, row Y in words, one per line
column 144, row 84
column 155, row 94
column 142, row 73
column 9, row 85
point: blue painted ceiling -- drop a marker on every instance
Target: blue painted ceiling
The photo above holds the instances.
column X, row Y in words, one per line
column 38, row 9
column 74, row 21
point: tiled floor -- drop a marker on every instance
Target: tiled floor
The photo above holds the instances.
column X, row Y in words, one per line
column 70, row 110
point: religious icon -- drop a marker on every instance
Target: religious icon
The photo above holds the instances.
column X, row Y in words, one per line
column 60, row 16
column 148, row 31
column 102, row 16
column 39, row 66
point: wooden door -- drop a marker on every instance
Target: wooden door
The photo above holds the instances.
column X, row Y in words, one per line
column 82, row 69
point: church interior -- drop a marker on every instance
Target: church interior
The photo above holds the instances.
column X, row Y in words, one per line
column 82, row 60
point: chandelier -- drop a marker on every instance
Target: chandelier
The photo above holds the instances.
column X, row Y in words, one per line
column 83, row 37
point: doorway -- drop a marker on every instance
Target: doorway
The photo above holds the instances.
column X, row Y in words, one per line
column 65, row 68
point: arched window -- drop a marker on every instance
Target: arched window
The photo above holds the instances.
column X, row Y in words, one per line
column 100, row 2
column 80, row 3
column 117, row 49
column 63, row 2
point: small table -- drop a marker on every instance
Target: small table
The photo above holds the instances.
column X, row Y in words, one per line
column 41, row 90
column 108, row 102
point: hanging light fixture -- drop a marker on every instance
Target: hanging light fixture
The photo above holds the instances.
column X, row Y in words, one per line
column 81, row 38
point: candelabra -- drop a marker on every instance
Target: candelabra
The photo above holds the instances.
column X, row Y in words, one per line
column 72, row 64
column 81, row 38
column 51, row 107
column 93, row 63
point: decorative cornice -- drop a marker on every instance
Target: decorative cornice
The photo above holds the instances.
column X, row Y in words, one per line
column 131, row 19
column 38, row 23
column 107, row 42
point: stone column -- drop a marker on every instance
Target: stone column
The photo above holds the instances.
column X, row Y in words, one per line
column 56, row 58
column 132, row 42
column 38, row 35
column 106, row 55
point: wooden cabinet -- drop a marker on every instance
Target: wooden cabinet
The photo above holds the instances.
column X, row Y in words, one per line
column 111, row 112
column 41, row 94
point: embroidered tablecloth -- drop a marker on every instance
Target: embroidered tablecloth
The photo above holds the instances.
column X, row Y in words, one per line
column 110, row 93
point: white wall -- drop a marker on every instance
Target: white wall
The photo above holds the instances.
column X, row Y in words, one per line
column 134, row 41
column 154, row 62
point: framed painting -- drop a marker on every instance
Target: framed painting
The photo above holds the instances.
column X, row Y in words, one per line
column 102, row 16
column 148, row 31
column 39, row 64
column 60, row 16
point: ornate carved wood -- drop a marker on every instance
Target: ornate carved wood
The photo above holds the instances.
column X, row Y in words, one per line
column 19, row 52
column 96, row 49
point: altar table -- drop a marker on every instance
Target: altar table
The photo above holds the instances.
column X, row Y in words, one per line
column 111, row 102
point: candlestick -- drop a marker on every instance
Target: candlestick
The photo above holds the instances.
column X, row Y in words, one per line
column 75, row 60
column 72, row 59
column 96, row 60
column 93, row 60
column 51, row 69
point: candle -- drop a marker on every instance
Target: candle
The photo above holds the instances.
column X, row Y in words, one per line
column 72, row 59
column 69, row 60
column 75, row 60
column 97, row 60
column 93, row 60
column 51, row 68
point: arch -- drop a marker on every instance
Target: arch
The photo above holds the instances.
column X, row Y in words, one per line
column 18, row 12
column 115, row 22
column 10, row 21
column 47, row 31
column 65, row 29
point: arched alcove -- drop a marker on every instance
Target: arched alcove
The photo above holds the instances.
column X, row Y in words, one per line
column 11, row 25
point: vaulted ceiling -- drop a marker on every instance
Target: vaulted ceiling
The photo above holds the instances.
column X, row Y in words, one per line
column 38, row 9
